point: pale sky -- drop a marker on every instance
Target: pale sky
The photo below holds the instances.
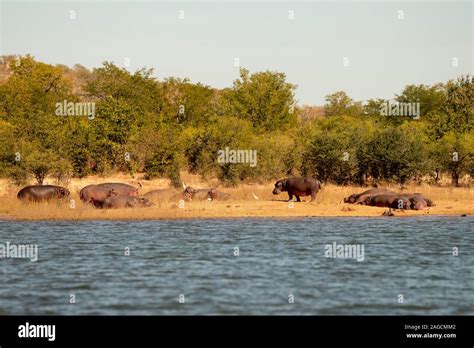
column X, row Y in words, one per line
column 384, row 53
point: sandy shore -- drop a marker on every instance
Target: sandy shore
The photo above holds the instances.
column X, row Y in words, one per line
column 247, row 201
column 234, row 209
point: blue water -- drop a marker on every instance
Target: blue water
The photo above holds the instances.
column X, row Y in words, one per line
column 277, row 257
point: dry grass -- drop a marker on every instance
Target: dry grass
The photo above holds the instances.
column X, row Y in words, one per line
column 449, row 201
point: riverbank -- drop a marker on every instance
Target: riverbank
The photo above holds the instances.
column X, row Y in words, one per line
column 247, row 201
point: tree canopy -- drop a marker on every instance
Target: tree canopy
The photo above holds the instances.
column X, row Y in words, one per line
column 116, row 120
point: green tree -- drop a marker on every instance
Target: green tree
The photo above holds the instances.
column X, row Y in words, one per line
column 459, row 106
column 187, row 103
column 395, row 153
column 263, row 98
column 454, row 153
column 340, row 104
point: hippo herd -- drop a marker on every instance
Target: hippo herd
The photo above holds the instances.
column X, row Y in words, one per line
column 380, row 197
column 376, row 197
column 118, row 195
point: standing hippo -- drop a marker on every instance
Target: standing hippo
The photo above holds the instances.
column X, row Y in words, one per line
column 40, row 193
column 96, row 194
column 357, row 198
column 214, row 194
column 298, row 186
column 126, row 202
column 100, row 197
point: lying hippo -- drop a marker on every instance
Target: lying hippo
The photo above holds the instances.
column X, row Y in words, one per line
column 198, row 194
column 383, row 200
column 126, row 202
column 428, row 201
column 214, row 194
column 418, row 203
column 161, row 195
column 360, row 198
column 390, row 200
column 186, row 195
column 191, row 193
column 40, row 193
column 298, row 186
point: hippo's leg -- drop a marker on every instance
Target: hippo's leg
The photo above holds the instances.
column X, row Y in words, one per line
column 313, row 196
column 290, row 196
column 298, row 199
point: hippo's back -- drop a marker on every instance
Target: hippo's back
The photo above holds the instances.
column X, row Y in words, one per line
column 120, row 188
column 303, row 184
column 160, row 195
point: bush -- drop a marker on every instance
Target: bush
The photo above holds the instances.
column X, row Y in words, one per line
column 393, row 154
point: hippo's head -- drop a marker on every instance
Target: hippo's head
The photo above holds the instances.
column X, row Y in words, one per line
column 143, row 202
column 351, row 199
column 63, row 192
column 418, row 203
column 211, row 194
column 428, row 201
column 279, row 187
column 401, row 203
column 189, row 192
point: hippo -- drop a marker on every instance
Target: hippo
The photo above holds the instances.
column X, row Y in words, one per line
column 40, row 193
column 401, row 203
column 121, row 189
column 161, row 195
column 418, row 203
column 214, row 194
column 99, row 199
column 126, row 202
column 382, row 200
column 362, row 199
column 201, row 194
column 298, row 186
column 191, row 193
column 357, row 198
column 186, row 195
column 428, row 201
column 96, row 194
column 389, row 200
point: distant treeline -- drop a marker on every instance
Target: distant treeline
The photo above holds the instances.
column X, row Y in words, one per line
column 65, row 122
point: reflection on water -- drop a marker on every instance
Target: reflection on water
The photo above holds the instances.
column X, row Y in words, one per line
column 242, row 266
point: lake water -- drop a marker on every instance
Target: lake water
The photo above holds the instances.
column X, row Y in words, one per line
column 280, row 267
